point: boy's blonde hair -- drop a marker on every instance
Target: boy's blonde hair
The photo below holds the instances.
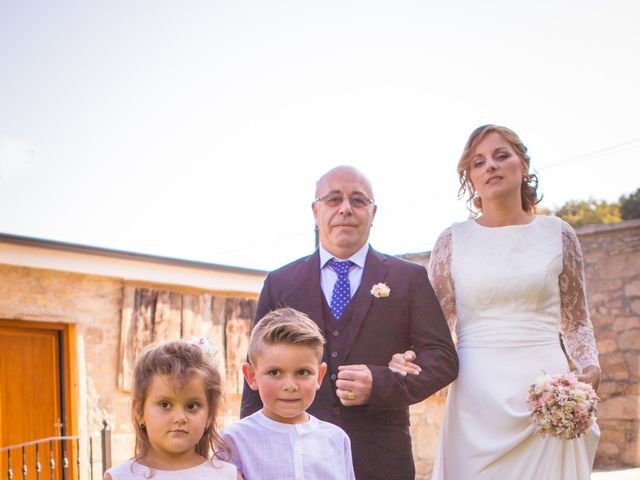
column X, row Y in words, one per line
column 288, row 326
column 179, row 360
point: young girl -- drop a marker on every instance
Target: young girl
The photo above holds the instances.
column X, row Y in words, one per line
column 176, row 396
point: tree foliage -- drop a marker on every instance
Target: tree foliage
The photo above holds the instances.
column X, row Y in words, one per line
column 630, row 205
column 578, row 213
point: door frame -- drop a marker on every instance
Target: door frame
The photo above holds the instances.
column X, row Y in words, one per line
column 69, row 391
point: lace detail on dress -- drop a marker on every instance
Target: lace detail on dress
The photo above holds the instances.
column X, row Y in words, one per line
column 440, row 277
column 575, row 323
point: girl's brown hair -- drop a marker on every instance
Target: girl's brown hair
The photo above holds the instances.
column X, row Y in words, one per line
column 529, row 187
column 179, row 360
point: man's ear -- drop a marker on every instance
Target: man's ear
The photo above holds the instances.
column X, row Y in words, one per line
column 322, row 371
column 250, row 375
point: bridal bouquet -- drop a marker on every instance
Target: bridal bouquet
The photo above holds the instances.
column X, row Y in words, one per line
column 563, row 407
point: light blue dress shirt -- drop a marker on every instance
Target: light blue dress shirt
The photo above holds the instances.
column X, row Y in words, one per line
column 328, row 277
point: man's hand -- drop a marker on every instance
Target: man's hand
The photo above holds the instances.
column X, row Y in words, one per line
column 354, row 384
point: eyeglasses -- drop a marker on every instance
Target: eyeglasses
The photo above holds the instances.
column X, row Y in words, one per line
column 356, row 201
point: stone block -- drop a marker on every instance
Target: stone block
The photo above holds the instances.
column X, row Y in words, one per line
column 600, row 321
column 635, row 307
column 629, row 339
column 615, row 303
column 610, row 359
column 596, row 298
column 627, row 407
column 617, row 425
column 610, row 389
column 620, row 266
column 605, row 461
column 632, row 289
column 632, row 360
column 616, row 372
column 606, row 346
column 606, row 335
column 631, row 453
column 612, row 285
column 612, row 436
column 93, row 336
column 625, row 323
column 609, row 449
column 632, row 388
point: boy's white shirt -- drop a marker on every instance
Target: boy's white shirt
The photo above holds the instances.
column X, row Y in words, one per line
column 262, row 448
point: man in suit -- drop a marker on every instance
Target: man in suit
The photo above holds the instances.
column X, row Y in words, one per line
column 363, row 330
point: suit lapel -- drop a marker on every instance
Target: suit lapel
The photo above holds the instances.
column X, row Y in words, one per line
column 308, row 290
column 375, row 270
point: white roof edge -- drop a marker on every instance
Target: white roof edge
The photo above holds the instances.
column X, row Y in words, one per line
column 46, row 254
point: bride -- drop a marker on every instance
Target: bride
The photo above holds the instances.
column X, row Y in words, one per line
column 508, row 281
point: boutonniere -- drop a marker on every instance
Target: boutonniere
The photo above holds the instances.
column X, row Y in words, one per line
column 380, row 290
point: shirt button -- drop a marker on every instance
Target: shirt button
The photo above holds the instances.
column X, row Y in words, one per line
column 333, row 376
column 336, row 410
column 334, row 354
column 335, row 333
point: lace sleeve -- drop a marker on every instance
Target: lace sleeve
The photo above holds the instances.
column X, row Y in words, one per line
column 440, row 277
column 575, row 324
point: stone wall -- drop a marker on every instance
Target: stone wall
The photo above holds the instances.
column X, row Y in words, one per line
column 612, row 268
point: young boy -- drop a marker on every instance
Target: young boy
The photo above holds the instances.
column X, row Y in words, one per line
column 282, row 441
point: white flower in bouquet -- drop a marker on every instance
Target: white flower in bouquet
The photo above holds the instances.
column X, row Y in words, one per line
column 541, row 382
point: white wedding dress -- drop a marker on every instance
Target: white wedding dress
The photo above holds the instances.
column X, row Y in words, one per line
column 509, row 291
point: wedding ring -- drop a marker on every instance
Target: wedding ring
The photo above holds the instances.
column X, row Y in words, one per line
column 351, row 396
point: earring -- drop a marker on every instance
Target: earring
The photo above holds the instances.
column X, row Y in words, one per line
column 142, row 425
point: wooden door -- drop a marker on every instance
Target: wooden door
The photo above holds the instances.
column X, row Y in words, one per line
column 31, row 400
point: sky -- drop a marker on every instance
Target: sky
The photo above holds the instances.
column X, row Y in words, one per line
column 197, row 129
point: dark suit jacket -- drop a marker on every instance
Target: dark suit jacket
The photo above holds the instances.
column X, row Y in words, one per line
column 409, row 318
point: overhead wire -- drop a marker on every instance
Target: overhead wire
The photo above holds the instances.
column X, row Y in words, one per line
column 612, row 148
